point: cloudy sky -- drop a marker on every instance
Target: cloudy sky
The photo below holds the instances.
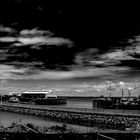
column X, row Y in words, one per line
column 89, row 42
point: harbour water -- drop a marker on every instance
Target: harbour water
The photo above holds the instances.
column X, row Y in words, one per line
column 79, row 102
column 7, row 118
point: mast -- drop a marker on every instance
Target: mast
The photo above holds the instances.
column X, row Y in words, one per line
column 109, row 87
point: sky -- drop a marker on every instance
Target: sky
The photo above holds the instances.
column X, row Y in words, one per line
column 68, row 45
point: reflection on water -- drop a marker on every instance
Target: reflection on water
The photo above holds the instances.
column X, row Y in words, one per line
column 77, row 103
column 6, row 118
column 80, row 103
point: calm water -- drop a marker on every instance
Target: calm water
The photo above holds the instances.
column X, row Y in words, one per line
column 6, row 118
column 79, row 103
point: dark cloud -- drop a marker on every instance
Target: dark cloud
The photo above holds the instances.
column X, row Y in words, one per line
column 131, row 63
column 89, row 38
column 36, row 49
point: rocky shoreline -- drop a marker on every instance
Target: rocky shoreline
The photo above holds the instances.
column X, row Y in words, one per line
column 103, row 121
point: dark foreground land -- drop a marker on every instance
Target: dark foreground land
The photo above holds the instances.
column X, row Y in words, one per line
column 75, row 136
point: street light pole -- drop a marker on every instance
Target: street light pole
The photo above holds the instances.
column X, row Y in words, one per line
column 110, row 88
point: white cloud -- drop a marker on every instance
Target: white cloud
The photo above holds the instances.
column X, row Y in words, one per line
column 8, row 39
column 7, row 72
column 6, row 29
column 135, row 45
column 137, row 39
column 109, row 58
column 117, row 55
column 35, row 36
column 44, row 40
column 137, row 49
column 11, row 72
column 97, row 62
column 35, row 32
column 32, row 37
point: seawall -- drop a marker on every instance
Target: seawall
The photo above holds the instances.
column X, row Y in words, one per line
column 102, row 120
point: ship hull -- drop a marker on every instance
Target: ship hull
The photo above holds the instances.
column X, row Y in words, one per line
column 46, row 101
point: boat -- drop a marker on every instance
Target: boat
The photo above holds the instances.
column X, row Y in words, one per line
column 41, row 97
column 117, row 102
column 13, row 100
